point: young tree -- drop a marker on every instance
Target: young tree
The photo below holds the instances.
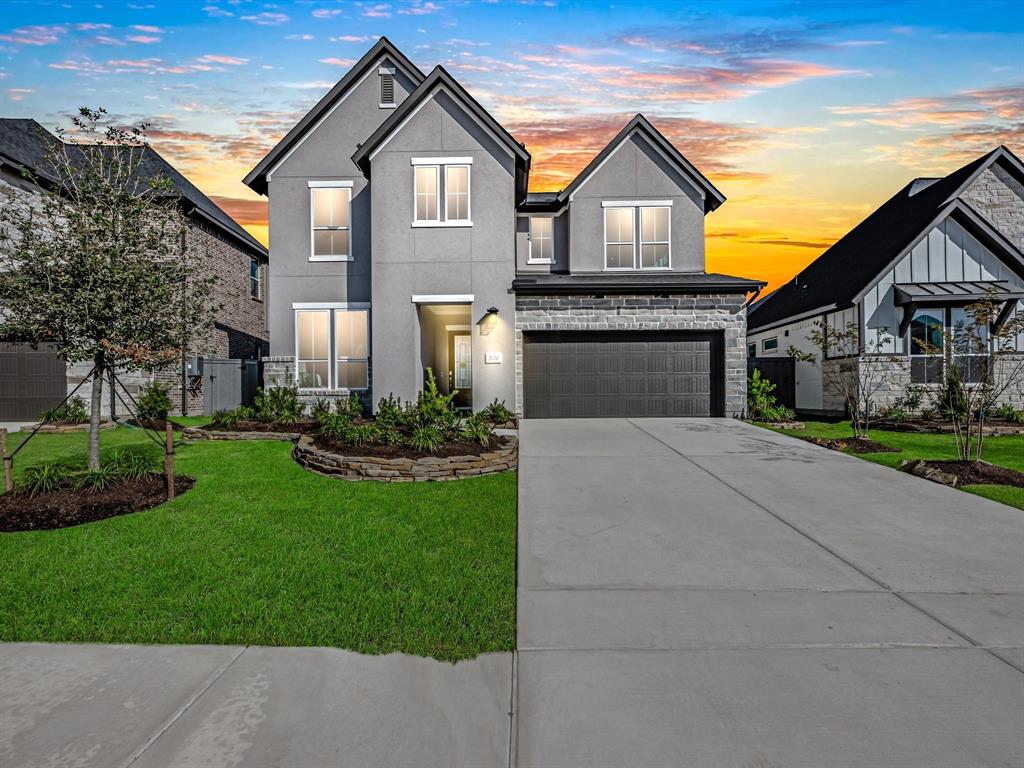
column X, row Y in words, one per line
column 857, row 373
column 98, row 267
column 981, row 364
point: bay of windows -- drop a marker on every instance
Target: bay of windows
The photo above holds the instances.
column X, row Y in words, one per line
column 623, row 248
column 332, row 348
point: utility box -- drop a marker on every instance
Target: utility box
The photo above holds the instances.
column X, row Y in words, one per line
column 194, row 366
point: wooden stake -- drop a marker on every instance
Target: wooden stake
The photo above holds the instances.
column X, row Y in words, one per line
column 169, row 458
column 8, row 479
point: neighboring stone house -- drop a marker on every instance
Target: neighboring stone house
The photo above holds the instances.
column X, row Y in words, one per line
column 404, row 239
column 33, row 380
column 903, row 278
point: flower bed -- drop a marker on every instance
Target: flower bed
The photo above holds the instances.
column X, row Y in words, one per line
column 500, row 455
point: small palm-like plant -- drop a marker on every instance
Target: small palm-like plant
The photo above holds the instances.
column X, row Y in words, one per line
column 132, row 465
column 476, row 427
column 95, row 480
column 425, row 438
column 44, row 478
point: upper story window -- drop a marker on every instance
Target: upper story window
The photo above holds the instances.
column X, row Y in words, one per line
column 542, row 244
column 624, row 221
column 331, row 204
column 442, row 192
column 255, row 279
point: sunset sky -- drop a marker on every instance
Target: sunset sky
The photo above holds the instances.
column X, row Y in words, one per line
column 806, row 115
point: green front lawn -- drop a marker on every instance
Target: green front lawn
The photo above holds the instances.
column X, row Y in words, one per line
column 1007, row 451
column 262, row 552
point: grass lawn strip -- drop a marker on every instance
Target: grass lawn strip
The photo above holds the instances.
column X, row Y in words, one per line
column 1005, row 451
column 262, row 552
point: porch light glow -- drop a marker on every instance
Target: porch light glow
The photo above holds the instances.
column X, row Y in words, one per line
column 489, row 321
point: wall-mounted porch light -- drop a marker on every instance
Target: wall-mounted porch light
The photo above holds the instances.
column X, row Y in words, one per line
column 489, row 321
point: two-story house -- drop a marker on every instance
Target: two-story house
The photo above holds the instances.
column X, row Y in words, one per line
column 34, row 379
column 404, row 239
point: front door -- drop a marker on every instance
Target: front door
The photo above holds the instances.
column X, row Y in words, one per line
column 460, row 367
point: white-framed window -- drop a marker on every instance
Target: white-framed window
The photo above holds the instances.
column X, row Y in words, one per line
column 255, row 279
column 442, row 191
column 331, row 213
column 427, row 192
column 637, row 235
column 770, row 344
column 332, row 348
column 542, row 243
column 456, row 193
column 655, row 224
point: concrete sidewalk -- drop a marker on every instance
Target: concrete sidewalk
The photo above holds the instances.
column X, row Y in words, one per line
column 706, row 593
column 107, row 706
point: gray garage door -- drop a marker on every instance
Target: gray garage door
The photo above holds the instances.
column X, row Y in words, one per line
column 31, row 381
column 622, row 374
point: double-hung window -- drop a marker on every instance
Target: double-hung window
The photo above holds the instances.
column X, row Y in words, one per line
column 442, row 192
column 331, row 204
column 255, row 279
column 542, row 244
column 332, row 348
column 637, row 235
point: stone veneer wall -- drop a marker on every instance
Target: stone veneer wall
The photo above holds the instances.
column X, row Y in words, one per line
column 896, row 379
column 704, row 312
column 405, row 470
column 999, row 197
column 279, row 371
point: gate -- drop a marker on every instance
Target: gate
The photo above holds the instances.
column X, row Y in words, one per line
column 780, row 371
column 228, row 384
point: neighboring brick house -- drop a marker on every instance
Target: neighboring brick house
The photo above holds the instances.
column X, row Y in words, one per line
column 404, row 239
column 31, row 380
column 903, row 277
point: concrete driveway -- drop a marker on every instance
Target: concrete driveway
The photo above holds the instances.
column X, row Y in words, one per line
column 706, row 593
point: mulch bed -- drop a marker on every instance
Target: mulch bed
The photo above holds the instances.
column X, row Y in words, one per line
column 67, row 507
column 459, row 448
column 307, row 427
column 938, row 426
column 852, row 444
column 979, row 473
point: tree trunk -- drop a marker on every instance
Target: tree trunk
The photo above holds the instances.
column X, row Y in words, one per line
column 94, row 414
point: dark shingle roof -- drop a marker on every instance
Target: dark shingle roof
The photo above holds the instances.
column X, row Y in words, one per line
column 845, row 269
column 25, row 144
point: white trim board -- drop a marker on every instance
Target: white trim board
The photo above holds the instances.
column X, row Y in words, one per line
column 331, row 305
column 343, row 183
column 442, row 298
column 441, row 161
column 636, row 203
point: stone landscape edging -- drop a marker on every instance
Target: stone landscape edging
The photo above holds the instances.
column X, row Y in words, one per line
column 404, row 470
column 198, row 433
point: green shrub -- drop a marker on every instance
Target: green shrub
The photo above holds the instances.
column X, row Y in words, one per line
column 433, row 409
column 497, row 413
column 280, row 404
column 71, row 412
column 45, row 477
column 1007, row 412
column 477, row 427
column 234, row 417
column 133, row 465
column 154, row 403
column 761, row 403
column 352, row 406
column 334, row 426
column 895, row 413
column 425, row 437
column 362, row 434
column 391, row 412
column 319, row 407
column 95, row 480
column 951, row 400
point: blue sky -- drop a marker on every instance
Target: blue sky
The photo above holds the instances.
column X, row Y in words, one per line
column 807, row 115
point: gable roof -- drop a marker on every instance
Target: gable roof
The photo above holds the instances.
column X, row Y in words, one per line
column 25, row 144
column 843, row 271
column 439, row 78
column 712, row 197
column 256, row 179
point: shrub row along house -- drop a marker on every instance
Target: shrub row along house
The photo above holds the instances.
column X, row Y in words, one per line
column 32, row 380
column 404, row 239
column 903, row 278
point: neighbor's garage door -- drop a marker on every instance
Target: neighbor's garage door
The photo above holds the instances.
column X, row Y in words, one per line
column 31, row 381
column 622, row 373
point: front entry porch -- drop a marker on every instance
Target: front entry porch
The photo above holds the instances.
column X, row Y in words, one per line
column 446, row 348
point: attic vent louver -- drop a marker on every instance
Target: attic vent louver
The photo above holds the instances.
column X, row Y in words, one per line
column 387, row 89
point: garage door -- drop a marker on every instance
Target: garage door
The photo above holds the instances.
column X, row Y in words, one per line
column 31, row 381
column 622, row 374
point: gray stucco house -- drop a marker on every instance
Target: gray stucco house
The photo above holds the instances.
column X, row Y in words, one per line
column 903, row 277
column 404, row 239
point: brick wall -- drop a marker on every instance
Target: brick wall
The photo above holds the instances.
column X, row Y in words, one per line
column 725, row 312
column 240, row 329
